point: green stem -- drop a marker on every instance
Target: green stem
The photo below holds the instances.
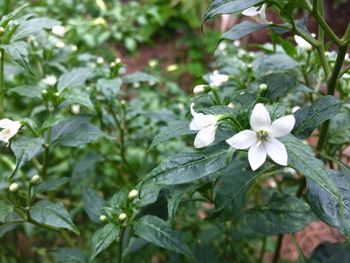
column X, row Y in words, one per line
column 120, row 245
column 2, row 87
column 46, row 153
column 262, row 251
column 216, row 96
column 332, row 83
column 276, row 255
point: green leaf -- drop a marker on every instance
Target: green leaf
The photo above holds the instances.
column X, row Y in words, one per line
column 28, row 91
column 278, row 85
column 232, row 188
column 309, row 118
column 76, row 96
column 140, row 77
column 102, row 239
column 218, row 7
column 93, row 205
column 109, row 87
column 328, row 252
column 74, row 132
column 157, row 232
column 282, row 214
column 187, row 168
column 267, row 64
column 84, row 170
column 5, row 19
column 74, row 78
column 68, row 255
column 33, row 27
column 339, row 130
column 329, row 208
column 302, row 158
column 25, row 149
column 5, row 210
column 51, row 184
column 18, row 51
column 243, row 29
column 52, row 215
column 175, row 129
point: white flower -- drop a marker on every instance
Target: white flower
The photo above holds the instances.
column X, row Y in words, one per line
column 75, row 109
column 236, row 43
column 100, row 60
column 10, row 129
column 216, row 79
column 301, row 42
column 257, row 10
column 261, row 140
column 295, row 109
column 74, row 48
column 60, row 45
column 58, row 31
column 206, row 125
column 50, row 80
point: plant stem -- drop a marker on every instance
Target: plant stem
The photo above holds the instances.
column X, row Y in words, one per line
column 120, row 245
column 2, row 88
column 332, row 83
column 262, row 251
column 276, row 255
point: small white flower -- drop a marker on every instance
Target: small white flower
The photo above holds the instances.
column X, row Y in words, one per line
column 122, row 217
column 261, row 140
column 206, row 125
column 9, row 129
column 133, row 194
column 301, row 42
column 58, row 31
column 75, row 109
column 74, row 48
column 237, row 43
column 60, row 45
column 295, row 109
column 222, row 46
column 257, row 10
column 216, row 79
column 100, row 60
column 50, row 80
column 14, row 188
column 199, row 89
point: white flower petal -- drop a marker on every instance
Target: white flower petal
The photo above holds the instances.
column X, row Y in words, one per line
column 205, row 137
column 251, row 11
column 301, row 42
column 260, row 118
column 201, row 121
column 277, row 151
column 243, row 140
column 282, row 126
column 257, row 156
column 5, row 123
column 263, row 16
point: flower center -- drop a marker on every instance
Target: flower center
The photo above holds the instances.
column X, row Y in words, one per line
column 262, row 137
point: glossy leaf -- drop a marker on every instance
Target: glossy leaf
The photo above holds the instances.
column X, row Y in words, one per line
column 69, row 255
column 5, row 210
column 93, row 205
column 309, row 118
column 278, row 85
column 53, row 215
column 74, row 78
column 51, row 184
column 329, row 208
column 109, row 87
column 102, row 239
column 243, row 29
column 282, row 214
column 157, row 232
column 18, row 51
column 33, row 27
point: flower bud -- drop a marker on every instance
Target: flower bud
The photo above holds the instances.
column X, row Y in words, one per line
column 100, row 60
column 103, row 218
column 295, row 109
column 14, row 188
column 36, row 179
column 118, row 60
column 133, row 194
column 75, row 109
column 172, row 68
column 56, row 94
column 44, row 92
column 122, row 217
column 2, row 30
column 237, row 43
column 60, row 44
column 250, row 66
column 231, row 105
column 112, row 64
column 199, row 89
column 262, row 87
column 123, row 102
column 74, row 48
column 153, row 63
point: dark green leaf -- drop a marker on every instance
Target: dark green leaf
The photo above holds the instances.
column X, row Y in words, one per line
column 51, row 184
column 53, row 215
column 267, row 64
column 76, row 96
column 109, row 87
column 18, row 51
column 93, row 205
column 175, row 129
column 339, row 130
column 69, row 255
column 102, row 239
column 331, row 209
column 328, row 252
column 5, row 210
column 25, row 149
column 282, row 214
column 140, row 77
column 218, row 7
column 84, row 169
column 28, row 91
column 33, row 27
column 74, row 78
column 278, row 85
column 187, row 168
column 6, row 19
column 243, row 29
column 309, row 118
column 157, row 232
